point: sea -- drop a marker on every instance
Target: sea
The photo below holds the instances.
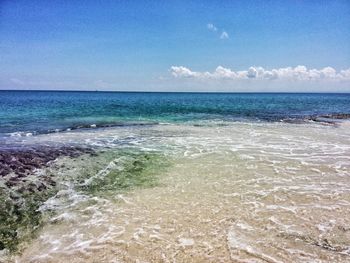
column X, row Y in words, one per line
column 174, row 177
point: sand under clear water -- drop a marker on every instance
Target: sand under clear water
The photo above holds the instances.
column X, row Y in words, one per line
column 229, row 192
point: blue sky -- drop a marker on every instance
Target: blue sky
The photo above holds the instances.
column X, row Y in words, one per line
column 175, row 45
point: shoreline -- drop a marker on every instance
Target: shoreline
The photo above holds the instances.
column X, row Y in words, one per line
column 323, row 119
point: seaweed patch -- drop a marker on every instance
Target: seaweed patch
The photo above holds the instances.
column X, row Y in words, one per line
column 24, row 188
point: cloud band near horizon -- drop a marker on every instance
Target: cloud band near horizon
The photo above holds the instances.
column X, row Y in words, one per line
column 298, row 73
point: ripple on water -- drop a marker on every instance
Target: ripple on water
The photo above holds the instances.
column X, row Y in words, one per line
column 258, row 192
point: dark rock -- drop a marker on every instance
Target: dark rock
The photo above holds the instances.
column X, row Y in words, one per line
column 23, row 161
column 337, row 116
column 10, row 184
column 42, row 187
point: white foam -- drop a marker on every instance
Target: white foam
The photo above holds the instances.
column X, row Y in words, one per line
column 239, row 244
column 269, row 187
column 186, row 242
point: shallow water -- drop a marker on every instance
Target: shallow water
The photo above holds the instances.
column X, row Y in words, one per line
column 219, row 192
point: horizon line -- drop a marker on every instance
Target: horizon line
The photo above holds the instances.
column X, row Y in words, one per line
column 140, row 91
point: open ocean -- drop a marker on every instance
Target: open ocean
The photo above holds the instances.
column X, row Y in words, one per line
column 49, row 111
column 174, row 177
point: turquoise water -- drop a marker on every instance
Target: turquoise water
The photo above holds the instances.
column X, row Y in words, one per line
column 174, row 175
column 48, row 111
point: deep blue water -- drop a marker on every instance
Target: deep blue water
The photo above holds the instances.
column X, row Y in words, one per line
column 44, row 111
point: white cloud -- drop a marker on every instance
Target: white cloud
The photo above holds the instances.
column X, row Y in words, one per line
column 224, row 35
column 345, row 73
column 299, row 73
column 183, row 72
column 211, row 27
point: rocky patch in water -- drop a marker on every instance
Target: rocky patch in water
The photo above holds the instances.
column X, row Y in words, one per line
column 338, row 116
column 328, row 119
column 24, row 187
column 24, row 161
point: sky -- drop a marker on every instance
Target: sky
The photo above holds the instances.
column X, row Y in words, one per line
column 226, row 46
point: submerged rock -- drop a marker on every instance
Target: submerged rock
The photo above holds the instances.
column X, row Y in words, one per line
column 337, row 116
column 22, row 190
column 23, row 161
